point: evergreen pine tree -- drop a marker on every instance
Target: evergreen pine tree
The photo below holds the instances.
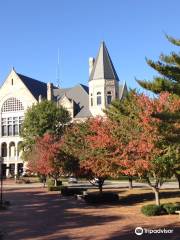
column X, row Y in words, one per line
column 168, row 67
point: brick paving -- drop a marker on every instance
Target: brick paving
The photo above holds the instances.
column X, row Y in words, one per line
column 36, row 214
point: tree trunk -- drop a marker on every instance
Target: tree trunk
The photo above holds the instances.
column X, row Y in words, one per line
column 44, row 180
column 130, row 182
column 55, row 182
column 156, row 192
column 100, row 188
column 178, row 179
column 44, row 183
column 100, row 184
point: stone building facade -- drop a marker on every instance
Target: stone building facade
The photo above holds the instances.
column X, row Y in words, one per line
column 18, row 92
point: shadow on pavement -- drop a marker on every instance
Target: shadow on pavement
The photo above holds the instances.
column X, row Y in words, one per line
column 38, row 214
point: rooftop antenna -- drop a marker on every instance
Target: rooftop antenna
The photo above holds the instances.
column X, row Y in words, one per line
column 58, row 71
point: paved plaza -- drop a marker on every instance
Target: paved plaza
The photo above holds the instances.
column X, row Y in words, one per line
column 36, row 214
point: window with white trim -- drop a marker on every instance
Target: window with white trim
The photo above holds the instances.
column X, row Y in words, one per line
column 109, row 97
column 98, row 98
column 11, row 126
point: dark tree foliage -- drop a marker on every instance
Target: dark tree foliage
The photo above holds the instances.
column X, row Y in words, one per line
column 168, row 67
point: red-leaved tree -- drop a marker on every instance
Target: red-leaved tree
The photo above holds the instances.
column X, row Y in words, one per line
column 46, row 158
column 101, row 148
column 145, row 151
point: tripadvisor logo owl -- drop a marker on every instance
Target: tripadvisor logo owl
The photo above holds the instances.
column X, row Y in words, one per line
column 139, row 231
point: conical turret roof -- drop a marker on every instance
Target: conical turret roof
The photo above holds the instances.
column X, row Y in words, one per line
column 103, row 66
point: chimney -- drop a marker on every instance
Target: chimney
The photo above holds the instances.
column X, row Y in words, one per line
column 49, row 91
column 40, row 98
column 91, row 64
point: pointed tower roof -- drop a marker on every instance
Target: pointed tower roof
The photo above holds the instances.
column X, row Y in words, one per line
column 103, row 66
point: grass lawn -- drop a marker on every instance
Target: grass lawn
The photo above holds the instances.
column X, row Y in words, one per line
column 143, row 196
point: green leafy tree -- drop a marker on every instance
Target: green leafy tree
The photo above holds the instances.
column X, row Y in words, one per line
column 42, row 118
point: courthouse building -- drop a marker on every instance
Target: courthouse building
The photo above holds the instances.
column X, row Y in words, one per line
column 18, row 92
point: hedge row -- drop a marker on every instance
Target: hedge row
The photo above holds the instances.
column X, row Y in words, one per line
column 101, row 198
column 154, row 210
column 90, row 198
column 69, row 191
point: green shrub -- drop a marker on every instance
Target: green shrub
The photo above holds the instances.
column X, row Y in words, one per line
column 59, row 183
column 69, row 191
column 51, row 183
column 101, row 198
column 3, row 207
column 54, row 188
column 152, row 210
column 171, row 208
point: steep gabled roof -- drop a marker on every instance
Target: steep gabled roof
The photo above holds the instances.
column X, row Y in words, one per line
column 35, row 87
column 123, row 90
column 103, row 66
column 79, row 94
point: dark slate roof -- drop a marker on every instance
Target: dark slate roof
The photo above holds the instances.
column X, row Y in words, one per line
column 59, row 92
column 80, row 95
column 103, row 66
column 123, row 90
column 35, row 87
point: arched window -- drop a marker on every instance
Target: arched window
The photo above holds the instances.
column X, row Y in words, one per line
column 12, row 149
column 109, row 97
column 12, row 105
column 19, row 149
column 4, row 149
column 98, row 98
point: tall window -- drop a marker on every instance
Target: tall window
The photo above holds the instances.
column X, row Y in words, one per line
column 91, row 99
column 20, row 123
column 11, row 126
column 109, row 97
column 4, row 126
column 4, row 149
column 11, row 121
column 15, row 126
column 98, row 98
